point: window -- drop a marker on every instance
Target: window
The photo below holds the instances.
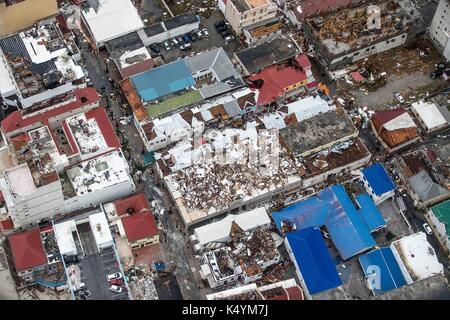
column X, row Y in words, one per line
column 261, row 11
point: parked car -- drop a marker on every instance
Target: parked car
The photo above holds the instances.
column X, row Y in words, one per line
column 116, row 289
column 186, row 39
column 154, row 47
column 205, row 33
column 116, row 282
column 180, row 40
column 437, row 73
column 222, row 28
column 166, row 45
column 116, row 275
column 399, row 97
column 192, row 36
column 186, row 46
column 175, row 42
column 427, row 228
column 219, row 24
column 198, row 34
column 228, row 39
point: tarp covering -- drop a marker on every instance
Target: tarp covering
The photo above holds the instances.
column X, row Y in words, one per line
column 313, row 260
column 333, row 209
column 382, row 270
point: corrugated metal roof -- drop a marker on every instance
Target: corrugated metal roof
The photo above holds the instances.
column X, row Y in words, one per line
column 378, row 179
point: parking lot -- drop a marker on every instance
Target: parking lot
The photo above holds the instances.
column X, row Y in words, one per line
column 214, row 40
column 93, row 268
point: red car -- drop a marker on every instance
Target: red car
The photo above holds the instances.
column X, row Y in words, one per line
column 116, row 282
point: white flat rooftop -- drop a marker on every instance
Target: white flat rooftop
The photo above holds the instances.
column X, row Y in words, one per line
column 100, row 229
column 20, row 180
column 99, row 173
column 64, row 237
column 131, row 57
column 114, row 18
column 429, row 113
column 418, row 256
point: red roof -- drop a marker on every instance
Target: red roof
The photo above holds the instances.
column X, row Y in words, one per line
column 384, row 116
column 6, row 224
column 137, row 68
column 357, row 76
column 137, row 202
column 140, row 226
column 16, row 121
column 275, row 80
column 99, row 114
column 70, row 138
column 303, row 61
column 27, row 249
column 294, row 293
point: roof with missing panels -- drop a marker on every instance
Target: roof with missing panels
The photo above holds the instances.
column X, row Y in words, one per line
column 266, row 54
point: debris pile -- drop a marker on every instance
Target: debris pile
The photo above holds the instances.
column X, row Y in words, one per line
column 141, row 283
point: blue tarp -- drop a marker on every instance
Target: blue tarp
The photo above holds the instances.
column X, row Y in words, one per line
column 333, row 209
column 382, row 270
column 370, row 213
column 313, row 259
column 163, row 80
column 378, row 179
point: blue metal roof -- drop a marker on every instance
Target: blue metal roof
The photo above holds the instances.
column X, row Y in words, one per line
column 313, row 259
column 370, row 213
column 163, row 80
column 332, row 208
column 382, row 270
column 378, row 179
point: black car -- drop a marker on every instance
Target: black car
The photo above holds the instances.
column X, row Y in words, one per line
column 219, row 24
column 222, row 28
column 155, row 48
column 193, row 36
column 437, row 73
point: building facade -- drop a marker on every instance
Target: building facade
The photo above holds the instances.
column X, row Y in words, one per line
column 439, row 31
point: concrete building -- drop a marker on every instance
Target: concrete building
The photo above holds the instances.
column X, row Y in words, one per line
column 395, row 129
column 169, row 28
column 140, row 229
column 283, row 290
column 377, row 182
column 245, row 261
column 431, row 117
column 17, row 15
column 103, row 20
column 265, row 54
column 38, row 65
column 335, row 47
column 264, row 30
column 64, row 159
column 217, row 234
column 439, row 216
column 439, row 30
column 242, row 13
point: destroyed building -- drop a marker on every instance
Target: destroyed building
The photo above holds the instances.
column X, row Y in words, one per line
column 68, row 158
column 243, row 260
column 394, row 129
column 283, row 290
column 348, row 35
column 425, row 183
column 38, row 65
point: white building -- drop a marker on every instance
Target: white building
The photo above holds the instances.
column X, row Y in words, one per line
column 63, row 164
column 439, row 31
column 37, row 65
column 431, row 117
column 109, row 19
column 377, row 183
column 241, row 13
column 217, row 234
column 416, row 257
column 168, row 29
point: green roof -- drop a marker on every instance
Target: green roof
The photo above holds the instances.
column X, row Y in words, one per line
column 442, row 213
column 174, row 103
